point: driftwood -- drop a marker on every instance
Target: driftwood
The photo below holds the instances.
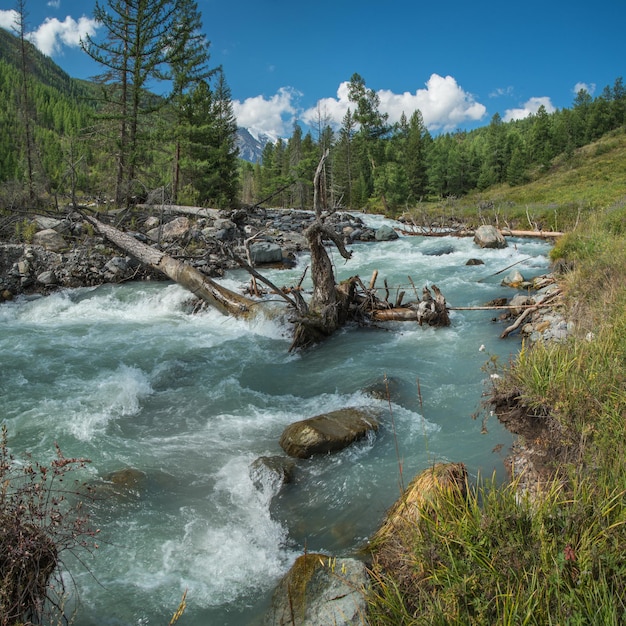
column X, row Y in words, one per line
column 224, row 300
column 421, row 231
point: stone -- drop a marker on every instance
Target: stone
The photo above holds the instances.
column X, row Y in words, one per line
column 320, row 590
column 513, row 279
column 47, row 278
column 328, row 432
column 276, row 470
column 475, row 262
column 175, row 229
column 487, row 236
column 265, row 252
column 385, row 233
column 50, row 240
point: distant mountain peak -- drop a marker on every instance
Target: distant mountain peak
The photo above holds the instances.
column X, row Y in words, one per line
column 251, row 143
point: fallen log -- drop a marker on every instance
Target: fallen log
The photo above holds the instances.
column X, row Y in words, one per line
column 468, row 232
column 224, row 300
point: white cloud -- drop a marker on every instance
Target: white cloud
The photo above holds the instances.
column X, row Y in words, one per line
column 52, row 34
column 55, row 4
column 589, row 88
column 8, row 19
column 530, row 107
column 271, row 116
column 443, row 104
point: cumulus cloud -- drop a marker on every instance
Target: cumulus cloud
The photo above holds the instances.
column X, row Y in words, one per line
column 52, row 35
column 589, row 88
column 443, row 104
column 530, row 107
column 8, row 19
column 272, row 116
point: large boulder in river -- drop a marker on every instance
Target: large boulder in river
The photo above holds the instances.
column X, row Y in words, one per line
column 265, row 252
column 487, row 236
column 386, row 233
column 318, row 591
column 328, row 432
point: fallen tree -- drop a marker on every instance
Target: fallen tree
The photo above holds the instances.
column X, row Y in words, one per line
column 214, row 294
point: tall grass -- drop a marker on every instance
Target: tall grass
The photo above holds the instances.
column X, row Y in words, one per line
column 500, row 557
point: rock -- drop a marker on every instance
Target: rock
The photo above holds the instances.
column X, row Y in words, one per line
column 385, row 233
column 513, row 279
column 328, row 432
column 175, row 229
column 276, row 470
column 47, row 278
column 265, row 252
column 320, row 591
column 487, row 236
column 520, row 300
column 128, row 479
column 50, row 240
column 383, row 389
column 475, row 262
column 117, row 265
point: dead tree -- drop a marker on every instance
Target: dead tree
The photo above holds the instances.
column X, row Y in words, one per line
column 329, row 306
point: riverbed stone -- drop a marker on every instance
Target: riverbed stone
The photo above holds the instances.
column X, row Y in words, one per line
column 279, row 470
column 50, row 240
column 320, row 590
column 488, row 236
column 265, row 252
column 175, row 229
column 386, row 233
column 328, row 432
column 513, row 279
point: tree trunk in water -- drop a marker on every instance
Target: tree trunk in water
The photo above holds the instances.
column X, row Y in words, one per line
column 329, row 305
column 224, row 300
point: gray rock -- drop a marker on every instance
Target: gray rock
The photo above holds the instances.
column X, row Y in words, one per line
column 175, row 229
column 328, row 432
column 50, row 240
column 47, row 278
column 272, row 472
column 513, row 279
column 487, row 236
column 475, row 262
column 320, row 591
column 265, row 252
column 386, row 233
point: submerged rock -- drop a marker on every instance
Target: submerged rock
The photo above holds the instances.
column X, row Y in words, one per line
column 328, row 432
column 320, row 591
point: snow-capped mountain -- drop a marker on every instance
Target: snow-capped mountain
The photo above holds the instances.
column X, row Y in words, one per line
column 251, row 144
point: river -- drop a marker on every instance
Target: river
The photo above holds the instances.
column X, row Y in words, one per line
column 129, row 377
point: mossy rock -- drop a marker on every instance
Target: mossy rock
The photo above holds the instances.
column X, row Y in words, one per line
column 328, row 432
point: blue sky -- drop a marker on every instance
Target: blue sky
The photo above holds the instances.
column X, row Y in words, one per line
column 458, row 62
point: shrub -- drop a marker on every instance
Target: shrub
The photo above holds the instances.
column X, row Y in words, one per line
column 42, row 518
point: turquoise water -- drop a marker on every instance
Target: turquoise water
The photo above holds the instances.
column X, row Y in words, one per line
column 127, row 377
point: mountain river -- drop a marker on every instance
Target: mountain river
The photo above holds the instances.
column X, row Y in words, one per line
column 128, row 377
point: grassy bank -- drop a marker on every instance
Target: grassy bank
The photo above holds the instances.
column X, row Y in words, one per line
column 498, row 557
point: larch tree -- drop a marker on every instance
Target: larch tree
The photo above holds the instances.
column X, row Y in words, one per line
column 188, row 60
column 133, row 54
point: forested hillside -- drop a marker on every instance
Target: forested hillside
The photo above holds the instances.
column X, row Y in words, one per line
column 64, row 140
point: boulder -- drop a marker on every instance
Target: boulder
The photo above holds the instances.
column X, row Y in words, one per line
column 385, row 233
column 475, row 262
column 513, row 279
column 175, row 229
column 47, row 278
column 328, row 432
column 487, row 236
column 265, row 252
column 275, row 470
column 50, row 240
column 320, row 590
